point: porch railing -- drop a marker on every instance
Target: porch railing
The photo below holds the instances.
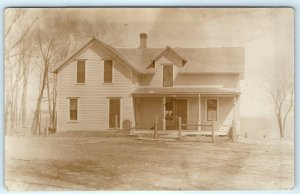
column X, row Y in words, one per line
column 180, row 125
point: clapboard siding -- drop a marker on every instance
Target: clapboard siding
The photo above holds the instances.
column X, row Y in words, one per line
column 93, row 101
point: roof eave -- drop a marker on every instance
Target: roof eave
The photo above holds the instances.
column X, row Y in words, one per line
column 211, row 73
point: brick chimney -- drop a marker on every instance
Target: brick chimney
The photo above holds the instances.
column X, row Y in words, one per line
column 143, row 40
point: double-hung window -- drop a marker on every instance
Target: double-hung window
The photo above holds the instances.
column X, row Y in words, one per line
column 73, row 109
column 168, row 75
column 108, row 71
column 80, row 71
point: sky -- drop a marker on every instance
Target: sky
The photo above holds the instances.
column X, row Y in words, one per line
column 267, row 34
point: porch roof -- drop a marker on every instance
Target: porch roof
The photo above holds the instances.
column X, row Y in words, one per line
column 183, row 91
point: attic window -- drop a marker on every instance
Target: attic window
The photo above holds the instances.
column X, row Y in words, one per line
column 168, row 75
column 80, row 71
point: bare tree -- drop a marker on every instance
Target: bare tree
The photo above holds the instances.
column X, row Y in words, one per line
column 17, row 58
column 45, row 47
column 282, row 93
column 55, row 33
column 283, row 105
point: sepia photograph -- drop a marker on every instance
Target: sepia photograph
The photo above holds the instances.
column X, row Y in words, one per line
column 126, row 99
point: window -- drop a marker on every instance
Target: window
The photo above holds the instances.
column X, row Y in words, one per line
column 168, row 76
column 114, row 110
column 80, row 72
column 73, row 109
column 212, row 109
column 108, row 71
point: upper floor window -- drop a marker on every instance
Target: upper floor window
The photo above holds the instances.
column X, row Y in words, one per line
column 108, row 71
column 212, row 109
column 80, row 71
column 168, row 75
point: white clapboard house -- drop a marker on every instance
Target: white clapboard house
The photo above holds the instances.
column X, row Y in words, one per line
column 100, row 81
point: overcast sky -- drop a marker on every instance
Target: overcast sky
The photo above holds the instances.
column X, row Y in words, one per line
column 266, row 34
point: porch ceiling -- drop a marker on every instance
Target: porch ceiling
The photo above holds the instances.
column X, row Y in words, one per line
column 183, row 91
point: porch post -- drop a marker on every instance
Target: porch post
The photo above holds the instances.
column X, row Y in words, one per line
column 199, row 113
column 164, row 113
column 234, row 121
column 133, row 113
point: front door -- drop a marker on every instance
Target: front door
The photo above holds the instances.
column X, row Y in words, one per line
column 175, row 108
column 181, row 110
column 114, row 110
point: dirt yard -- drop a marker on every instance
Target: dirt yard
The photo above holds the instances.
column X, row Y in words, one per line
column 100, row 161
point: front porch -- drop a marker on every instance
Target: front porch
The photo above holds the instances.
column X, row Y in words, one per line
column 198, row 110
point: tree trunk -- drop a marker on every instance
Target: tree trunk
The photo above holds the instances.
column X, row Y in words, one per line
column 281, row 127
column 36, row 118
column 24, row 94
column 49, row 101
column 53, row 121
column 282, row 134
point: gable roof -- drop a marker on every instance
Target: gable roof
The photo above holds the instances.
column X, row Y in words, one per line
column 198, row 60
column 228, row 60
column 166, row 50
column 141, row 57
column 105, row 45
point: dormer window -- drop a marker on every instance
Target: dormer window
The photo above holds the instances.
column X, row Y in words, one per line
column 108, row 71
column 168, row 75
column 80, row 71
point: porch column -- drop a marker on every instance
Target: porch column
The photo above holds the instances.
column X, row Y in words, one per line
column 234, row 102
column 164, row 113
column 133, row 116
column 234, row 120
column 199, row 113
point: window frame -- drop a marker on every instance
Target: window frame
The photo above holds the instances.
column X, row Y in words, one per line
column 112, row 71
column 163, row 74
column 76, row 77
column 218, row 109
column 69, row 111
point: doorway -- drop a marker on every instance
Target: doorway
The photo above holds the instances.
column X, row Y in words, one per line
column 175, row 108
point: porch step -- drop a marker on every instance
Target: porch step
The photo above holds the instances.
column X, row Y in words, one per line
column 174, row 133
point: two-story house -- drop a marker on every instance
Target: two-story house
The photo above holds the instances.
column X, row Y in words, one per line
column 99, row 81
